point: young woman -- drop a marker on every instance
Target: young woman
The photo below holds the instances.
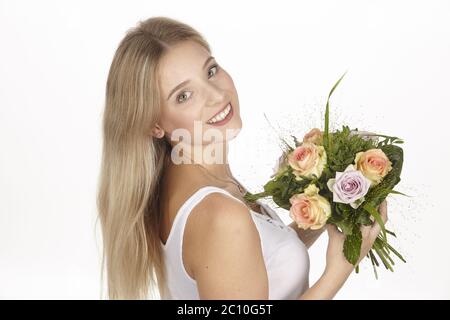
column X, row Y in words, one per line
column 172, row 215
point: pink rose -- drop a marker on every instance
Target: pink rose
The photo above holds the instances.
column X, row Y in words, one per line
column 307, row 159
column 314, row 136
column 309, row 209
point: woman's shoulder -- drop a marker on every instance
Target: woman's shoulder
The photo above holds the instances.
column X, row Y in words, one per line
column 215, row 211
column 217, row 208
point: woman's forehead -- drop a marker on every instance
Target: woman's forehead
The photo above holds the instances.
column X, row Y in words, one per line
column 180, row 62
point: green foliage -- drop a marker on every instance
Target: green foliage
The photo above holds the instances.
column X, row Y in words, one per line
column 352, row 246
column 344, row 148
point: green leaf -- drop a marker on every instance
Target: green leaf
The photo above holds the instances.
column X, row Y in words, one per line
column 326, row 136
column 391, row 233
column 352, row 246
column 374, row 258
column 382, row 256
column 396, row 252
column 271, row 186
column 374, row 213
column 252, row 197
column 296, row 142
column 346, row 226
column 364, row 219
column 345, row 209
column 397, row 192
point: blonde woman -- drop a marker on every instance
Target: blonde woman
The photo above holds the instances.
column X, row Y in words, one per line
column 171, row 218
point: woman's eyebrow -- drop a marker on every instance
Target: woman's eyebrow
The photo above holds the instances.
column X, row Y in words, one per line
column 186, row 81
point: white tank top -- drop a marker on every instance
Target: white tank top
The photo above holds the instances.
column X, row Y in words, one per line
column 285, row 256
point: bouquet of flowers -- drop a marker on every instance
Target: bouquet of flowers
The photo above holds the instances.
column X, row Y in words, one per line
column 339, row 178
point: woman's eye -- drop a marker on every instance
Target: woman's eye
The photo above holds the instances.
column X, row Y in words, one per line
column 216, row 67
column 183, row 95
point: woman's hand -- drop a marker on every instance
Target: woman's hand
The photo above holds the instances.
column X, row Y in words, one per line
column 336, row 263
column 338, row 269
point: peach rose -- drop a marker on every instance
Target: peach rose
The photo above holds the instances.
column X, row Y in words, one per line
column 373, row 164
column 314, row 136
column 309, row 209
column 307, row 159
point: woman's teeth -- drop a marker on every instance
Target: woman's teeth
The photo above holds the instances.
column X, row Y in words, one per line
column 221, row 115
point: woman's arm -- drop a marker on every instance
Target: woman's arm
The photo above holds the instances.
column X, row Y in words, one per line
column 328, row 285
column 307, row 236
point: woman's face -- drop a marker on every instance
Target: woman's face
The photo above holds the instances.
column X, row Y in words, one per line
column 195, row 89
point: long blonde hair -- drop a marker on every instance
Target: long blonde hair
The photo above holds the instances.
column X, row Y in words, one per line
column 133, row 160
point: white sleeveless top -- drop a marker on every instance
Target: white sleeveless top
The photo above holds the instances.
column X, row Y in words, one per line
column 285, row 256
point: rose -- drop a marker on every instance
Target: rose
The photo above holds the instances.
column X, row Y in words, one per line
column 314, row 136
column 373, row 164
column 309, row 209
column 349, row 187
column 307, row 159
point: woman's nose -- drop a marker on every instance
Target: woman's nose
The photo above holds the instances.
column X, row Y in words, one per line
column 216, row 97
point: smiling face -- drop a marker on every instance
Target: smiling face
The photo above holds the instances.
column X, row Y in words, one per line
column 195, row 92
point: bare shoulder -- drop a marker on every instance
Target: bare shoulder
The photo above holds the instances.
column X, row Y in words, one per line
column 219, row 208
column 215, row 211
column 226, row 256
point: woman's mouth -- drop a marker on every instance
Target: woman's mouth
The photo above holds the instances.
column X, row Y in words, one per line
column 222, row 117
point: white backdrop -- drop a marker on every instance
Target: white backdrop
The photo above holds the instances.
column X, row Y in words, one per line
column 284, row 57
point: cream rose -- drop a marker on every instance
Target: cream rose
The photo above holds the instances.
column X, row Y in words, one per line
column 307, row 159
column 373, row 164
column 309, row 209
column 314, row 136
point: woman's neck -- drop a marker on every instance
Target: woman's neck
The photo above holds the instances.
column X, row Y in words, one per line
column 197, row 156
column 219, row 171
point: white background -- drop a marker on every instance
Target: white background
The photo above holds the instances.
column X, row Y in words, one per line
column 284, row 58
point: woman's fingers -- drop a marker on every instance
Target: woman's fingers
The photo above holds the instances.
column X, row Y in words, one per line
column 333, row 231
column 365, row 231
column 383, row 211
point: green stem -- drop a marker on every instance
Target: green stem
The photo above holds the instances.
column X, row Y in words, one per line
column 395, row 252
column 373, row 257
column 382, row 257
column 375, row 263
column 391, row 233
column 386, row 254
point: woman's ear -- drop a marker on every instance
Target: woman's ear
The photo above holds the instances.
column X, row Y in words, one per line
column 157, row 131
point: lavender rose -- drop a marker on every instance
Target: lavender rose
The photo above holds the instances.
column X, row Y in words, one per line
column 349, row 187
